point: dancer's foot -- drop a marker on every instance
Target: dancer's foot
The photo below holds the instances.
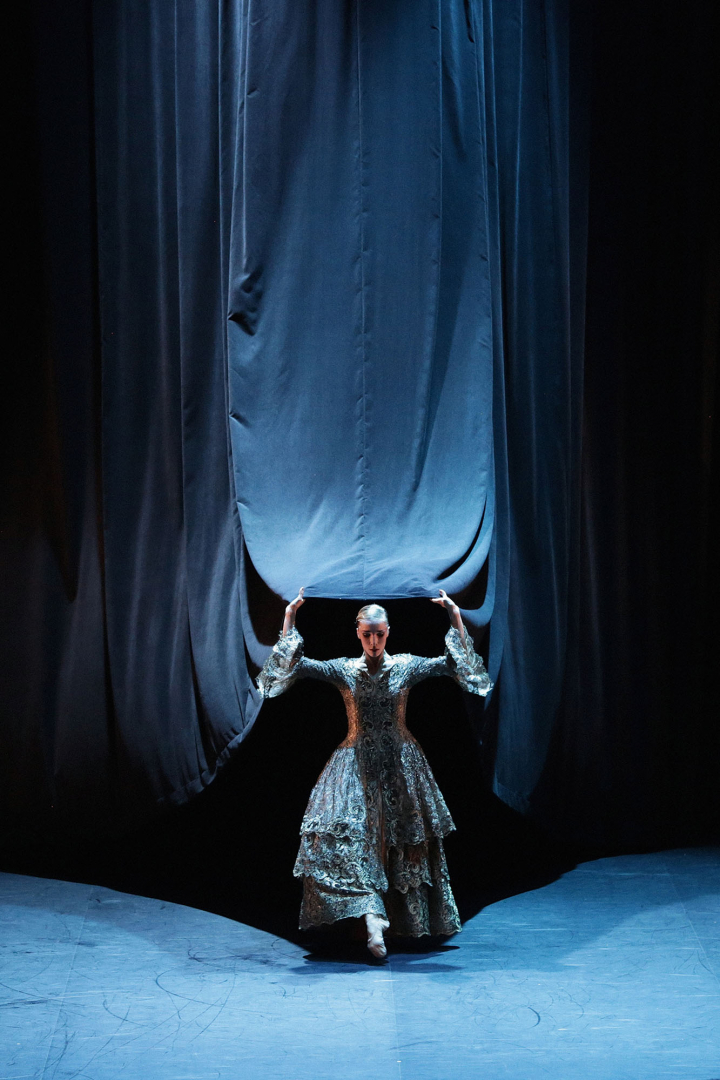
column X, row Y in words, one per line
column 375, row 926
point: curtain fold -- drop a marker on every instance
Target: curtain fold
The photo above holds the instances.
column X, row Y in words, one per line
column 539, row 207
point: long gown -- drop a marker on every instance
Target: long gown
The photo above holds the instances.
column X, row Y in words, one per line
column 372, row 834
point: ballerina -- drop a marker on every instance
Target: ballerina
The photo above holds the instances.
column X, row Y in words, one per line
column 372, row 835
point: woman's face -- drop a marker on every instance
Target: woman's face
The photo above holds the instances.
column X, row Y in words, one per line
column 373, row 636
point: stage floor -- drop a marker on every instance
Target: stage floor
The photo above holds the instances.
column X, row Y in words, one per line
column 610, row 973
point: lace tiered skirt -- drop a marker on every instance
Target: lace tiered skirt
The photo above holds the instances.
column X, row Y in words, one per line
column 372, row 843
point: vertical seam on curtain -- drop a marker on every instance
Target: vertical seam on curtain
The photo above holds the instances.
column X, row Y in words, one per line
column 477, row 38
column 423, row 430
column 204, row 763
column 237, row 143
column 363, row 316
column 486, row 88
column 438, row 214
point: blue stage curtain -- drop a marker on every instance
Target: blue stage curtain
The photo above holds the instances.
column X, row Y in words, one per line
column 315, row 288
column 348, row 228
column 358, row 214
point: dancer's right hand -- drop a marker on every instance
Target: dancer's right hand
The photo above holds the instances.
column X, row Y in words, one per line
column 296, row 603
column 291, row 611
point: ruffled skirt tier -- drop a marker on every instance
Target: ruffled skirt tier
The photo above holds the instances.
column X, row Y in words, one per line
column 374, row 844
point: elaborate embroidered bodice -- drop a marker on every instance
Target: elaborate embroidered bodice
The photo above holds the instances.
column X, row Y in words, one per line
column 375, row 704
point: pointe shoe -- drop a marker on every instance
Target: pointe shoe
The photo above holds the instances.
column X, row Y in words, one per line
column 375, row 942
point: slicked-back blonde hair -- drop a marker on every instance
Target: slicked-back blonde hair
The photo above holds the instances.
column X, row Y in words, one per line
column 372, row 613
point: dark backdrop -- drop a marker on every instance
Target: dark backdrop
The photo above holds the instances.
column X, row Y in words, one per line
column 623, row 750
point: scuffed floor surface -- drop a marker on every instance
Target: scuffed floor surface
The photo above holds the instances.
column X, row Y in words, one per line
column 610, row 973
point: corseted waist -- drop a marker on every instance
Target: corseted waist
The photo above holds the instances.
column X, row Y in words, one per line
column 379, row 738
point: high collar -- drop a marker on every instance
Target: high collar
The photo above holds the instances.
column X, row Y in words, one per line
column 387, row 662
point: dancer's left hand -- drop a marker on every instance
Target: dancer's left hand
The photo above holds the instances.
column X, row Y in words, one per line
column 452, row 609
column 446, row 602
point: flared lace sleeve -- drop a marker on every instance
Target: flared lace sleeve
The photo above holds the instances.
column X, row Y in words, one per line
column 286, row 664
column 460, row 662
column 465, row 666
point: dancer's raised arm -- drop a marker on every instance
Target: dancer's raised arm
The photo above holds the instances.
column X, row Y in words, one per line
column 460, row 661
column 291, row 611
column 453, row 611
column 286, row 663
